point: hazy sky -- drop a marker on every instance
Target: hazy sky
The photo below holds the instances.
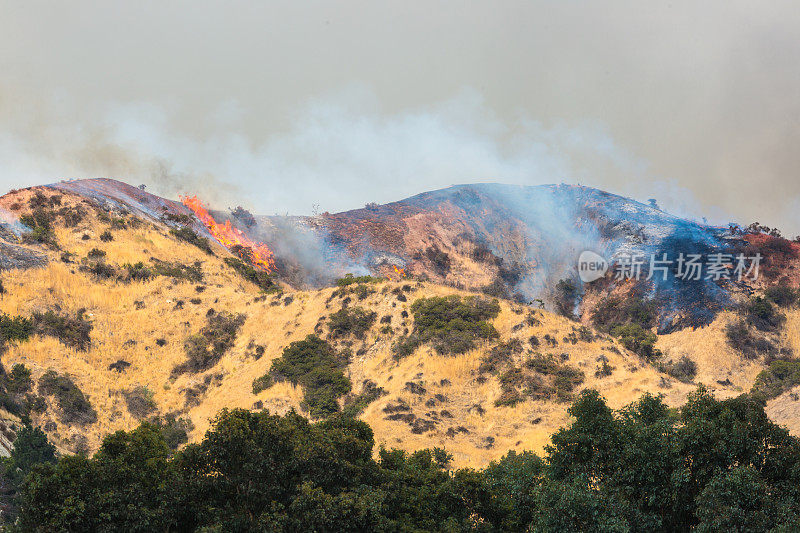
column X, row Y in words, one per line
column 283, row 106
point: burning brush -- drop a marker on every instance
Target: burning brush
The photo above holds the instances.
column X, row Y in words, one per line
column 230, row 237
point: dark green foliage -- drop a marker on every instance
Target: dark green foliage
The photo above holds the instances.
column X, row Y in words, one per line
column 137, row 272
column 176, row 270
column 40, row 200
column 566, row 297
column 355, row 405
column 72, row 216
column 206, row 348
column 106, row 236
column 19, row 379
column 576, row 505
column 406, row 345
column 349, row 279
column 30, row 448
column 245, row 216
column 259, row 278
column 750, row 345
column 40, row 221
column 179, row 218
column 313, row 364
column 15, row 397
column 439, row 259
column 500, row 355
column 174, row 430
column 683, row 370
column 638, row 340
column 74, row 407
column 777, row 378
column 604, row 370
column 354, row 321
column 101, row 269
column 188, row 235
column 613, row 311
column 453, row 324
column 126, row 486
column 709, row 466
column 140, row 402
column 541, row 377
column 782, row 295
column 16, row 328
column 262, row 383
column 564, row 377
column 73, row 332
column 761, row 313
column 737, row 500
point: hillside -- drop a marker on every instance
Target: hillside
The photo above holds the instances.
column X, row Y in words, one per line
column 133, row 293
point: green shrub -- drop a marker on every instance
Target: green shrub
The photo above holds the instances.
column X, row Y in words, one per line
column 15, row 328
column 178, row 218
column 73, row 405
column 19, row 379
column 776, row 379
column 260, row 278
column 321, row 389
column 761, row 313
column 452, row 323
column 638, row 340
column 354, row 321
column 566, row 297
column 604, row 370
column 188, row 235
column 175, row 431
column 439, row 259
column 40, row 221
column 564, row 377
column 138, row 272
column 751, row 346
column 140, row 402
column 782, row 295
column 509, row 397
column 613, row 311
column 73, row 332
column 106, row 236
column 540, row 378
column 262, row 383
column 72, row 216
column 349, row 279
column 176, row 270
column 30, row 448
column 500, row 355
column 683, row 370
column 406, row 345
column 206, row 348
column 313, row 364
column 96, row 253
column 100, row 269
column 355, row 405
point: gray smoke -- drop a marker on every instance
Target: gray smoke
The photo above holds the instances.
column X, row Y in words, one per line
column 283, row 105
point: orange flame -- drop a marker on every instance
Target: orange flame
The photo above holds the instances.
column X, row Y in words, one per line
column 229, row 236
column 401, row 273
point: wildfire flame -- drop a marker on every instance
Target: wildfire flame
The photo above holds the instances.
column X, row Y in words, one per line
column 229, row 236
column 400, row 272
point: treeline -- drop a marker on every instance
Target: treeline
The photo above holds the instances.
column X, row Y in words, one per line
column 708, row 466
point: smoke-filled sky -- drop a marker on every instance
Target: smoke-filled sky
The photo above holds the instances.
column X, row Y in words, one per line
column 303, row 106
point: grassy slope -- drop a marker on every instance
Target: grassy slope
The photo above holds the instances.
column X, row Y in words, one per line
column 273, row 324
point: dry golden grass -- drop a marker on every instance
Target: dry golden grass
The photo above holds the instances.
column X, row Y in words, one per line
column 124, row 330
